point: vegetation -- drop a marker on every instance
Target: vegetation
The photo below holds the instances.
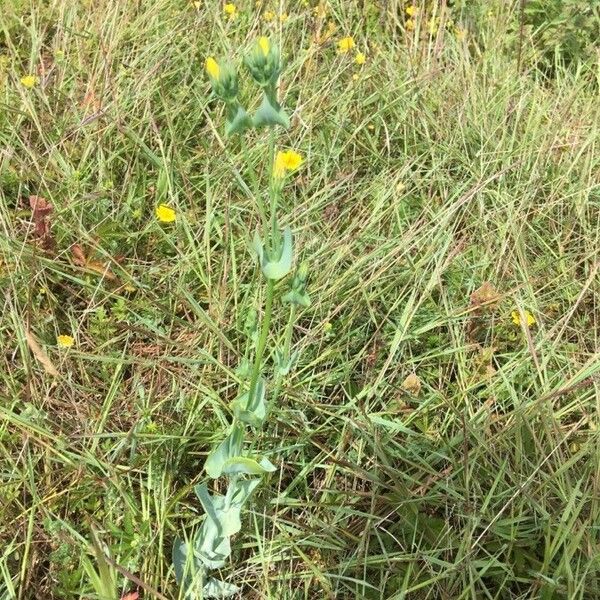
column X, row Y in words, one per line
column 438, row 434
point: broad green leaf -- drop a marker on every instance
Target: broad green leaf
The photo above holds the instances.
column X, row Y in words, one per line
column 276, row 269
column 270, row 113
column 252, row 410
column 249, row 466
column 237, row 121
column 219, row 589
column 230, row 446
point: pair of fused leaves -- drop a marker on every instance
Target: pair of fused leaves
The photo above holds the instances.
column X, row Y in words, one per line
column 269, row 114
column 228, row 459
column 211, row 545
column 283, row 363
column 277, row 263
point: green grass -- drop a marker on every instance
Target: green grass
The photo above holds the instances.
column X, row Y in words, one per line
column 439, row 168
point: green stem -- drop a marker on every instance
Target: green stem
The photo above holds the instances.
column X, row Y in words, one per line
column 273, row 193
column 260, row 205
column 264, row 334
column 286, row 355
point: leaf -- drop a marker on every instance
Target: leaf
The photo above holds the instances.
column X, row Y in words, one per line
column 131, row 596
column 78, row 255
column 41, row 355
column 189, row 573
column 219, row 589
column 412, row 384
column 40, row 215
column 252, row 410
column 485, row 296
column 280, row 268
column 248, row 466
column 230, row 446
column 270, row 113
column 237, row 121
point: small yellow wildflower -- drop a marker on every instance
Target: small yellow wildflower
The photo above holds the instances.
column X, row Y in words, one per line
column 212, row 67
column 360, row 58
column 29, row 81
column 165, row 214
column 409, row 24
column 460, row 33
column 65, row 341
column 269, row 16
column 345, row 44
column 516, row 318
column 197, row 5
column 412, row 10
column 327, row 327
column 355, row 77
column 230, row 9
column 283, row 17
column 433, row 26
column 264, row 44
column 288, row 160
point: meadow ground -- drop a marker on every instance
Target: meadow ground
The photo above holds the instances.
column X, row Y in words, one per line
column 439, row 436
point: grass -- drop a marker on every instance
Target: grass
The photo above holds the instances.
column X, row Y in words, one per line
column 438, row 168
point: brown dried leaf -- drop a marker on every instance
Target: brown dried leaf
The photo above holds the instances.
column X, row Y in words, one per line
column 412, row 385
column 78, row 255
column 131, row 596
column 40, row 215
column 101, row 268
column 40, row 354
column 485, row 296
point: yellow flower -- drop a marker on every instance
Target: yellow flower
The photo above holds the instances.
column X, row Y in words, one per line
column 433, row 26
column 165, row 214
column 345, row 44
column 327, row 327
column 230, row 9
column 412, row 10
column 461, row 34
column 516, row 318
column 197, row 5
column 283, row 17
column 264, row 44
column 288, row 160
column 360, row 58
column 29, row 81
column 269, row 16
column 212, row 67
column 355, row 77
column 410, row 25
column 65, row 341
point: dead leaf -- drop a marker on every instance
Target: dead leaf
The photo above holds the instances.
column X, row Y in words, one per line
column 41, row 210
column 412, row 385
column 78, row 255
column 102, row 269
column 131, row 596
column 81, row 260
column 40, row 354
column 485, row 296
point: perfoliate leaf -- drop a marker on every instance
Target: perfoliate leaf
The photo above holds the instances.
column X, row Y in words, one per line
column 237, row 121
column 219, row 589
column 248, row 466
column 189, row 571
column 284, row 366
column 276, row 269
column 270, row 113
column 211, row 546
column 230, row 446
column 252, row 410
